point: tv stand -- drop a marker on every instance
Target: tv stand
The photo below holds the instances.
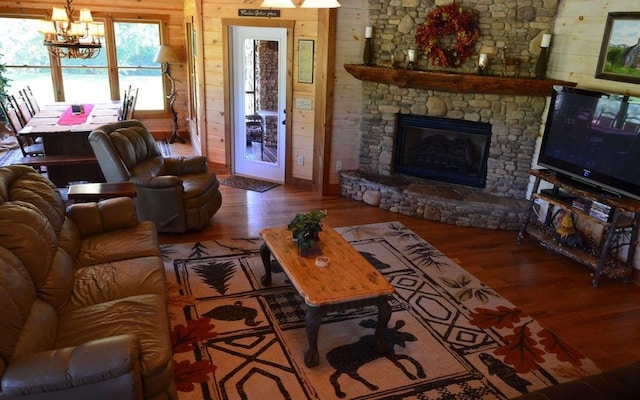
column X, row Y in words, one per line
column 577, row 183
column 618, row 215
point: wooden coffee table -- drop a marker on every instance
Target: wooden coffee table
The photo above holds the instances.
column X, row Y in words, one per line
column 349, row 281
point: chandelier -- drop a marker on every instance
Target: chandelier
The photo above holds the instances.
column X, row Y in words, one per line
column 67, row 38
column 305, row 4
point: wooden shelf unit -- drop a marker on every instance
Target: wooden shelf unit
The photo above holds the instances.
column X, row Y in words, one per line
column 624, row 218
column 456, row 82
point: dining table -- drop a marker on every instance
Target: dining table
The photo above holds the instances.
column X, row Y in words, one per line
column 64, row 130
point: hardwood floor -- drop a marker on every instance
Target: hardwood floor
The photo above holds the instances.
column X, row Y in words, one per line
column 603, row 323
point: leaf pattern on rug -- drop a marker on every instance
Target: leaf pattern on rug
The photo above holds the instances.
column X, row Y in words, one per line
column 465, row 293
column 184, row 336
column 521, row 350
column 186, row 373
column 216, row 274
column 502, row 317
column 426, row 255
column 402, row 232
column 555, row 345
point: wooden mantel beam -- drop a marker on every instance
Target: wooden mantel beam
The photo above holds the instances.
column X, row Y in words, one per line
column 456, row 82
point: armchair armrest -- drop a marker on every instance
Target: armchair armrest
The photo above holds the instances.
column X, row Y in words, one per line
column 107, row 367
column 103, row 216
column 185, row 165
column 158, row 182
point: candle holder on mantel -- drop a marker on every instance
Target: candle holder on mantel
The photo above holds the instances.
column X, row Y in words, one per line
column 411, row 55
column 483, row 63
column 543, row 58
column 367, row 56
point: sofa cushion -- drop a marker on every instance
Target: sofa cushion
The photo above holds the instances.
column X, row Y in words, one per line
column 23, row 183
column 27, row 233
column 121, row 244
column 117, row 280
column 144, row 316
column 18, row 296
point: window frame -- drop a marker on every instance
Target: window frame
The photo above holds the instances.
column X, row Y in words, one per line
column 109, row 39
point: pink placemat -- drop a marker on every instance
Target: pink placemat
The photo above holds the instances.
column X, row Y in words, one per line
column 69, row 118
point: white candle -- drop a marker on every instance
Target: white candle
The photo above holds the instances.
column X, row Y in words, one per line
column 546, row 40
column 482, row 60
column 412, row 55
column 368, row 31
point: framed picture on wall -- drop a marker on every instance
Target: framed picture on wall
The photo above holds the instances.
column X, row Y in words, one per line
column 305, row 61
column 620, row 52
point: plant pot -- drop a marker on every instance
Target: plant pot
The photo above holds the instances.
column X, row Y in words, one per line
column 312, row 251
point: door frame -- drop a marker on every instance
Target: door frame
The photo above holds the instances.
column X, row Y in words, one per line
column 228, row 85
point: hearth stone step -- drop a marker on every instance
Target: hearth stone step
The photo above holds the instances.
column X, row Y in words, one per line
column 435, row 201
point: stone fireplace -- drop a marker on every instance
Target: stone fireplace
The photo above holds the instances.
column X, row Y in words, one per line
column 510, row 102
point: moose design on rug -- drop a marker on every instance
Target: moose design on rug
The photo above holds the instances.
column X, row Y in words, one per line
column 348, row 358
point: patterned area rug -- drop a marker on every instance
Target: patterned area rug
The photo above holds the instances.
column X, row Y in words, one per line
column 9, row 156
column 242, row 182
column 450, row 336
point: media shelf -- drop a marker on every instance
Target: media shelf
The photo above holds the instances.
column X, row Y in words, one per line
column 620, row 224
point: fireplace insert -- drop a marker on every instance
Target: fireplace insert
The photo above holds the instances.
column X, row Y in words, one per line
column 442, row 149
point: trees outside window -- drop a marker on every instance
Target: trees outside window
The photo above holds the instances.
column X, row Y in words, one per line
column 131, row 46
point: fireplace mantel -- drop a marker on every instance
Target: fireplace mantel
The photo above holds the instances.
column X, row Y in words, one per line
column 455, row 82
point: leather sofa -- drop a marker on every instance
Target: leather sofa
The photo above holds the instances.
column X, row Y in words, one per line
column 618, row 384
column 176, row 193
column 83, row 310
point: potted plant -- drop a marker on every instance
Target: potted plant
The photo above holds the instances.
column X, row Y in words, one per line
column 305, row 230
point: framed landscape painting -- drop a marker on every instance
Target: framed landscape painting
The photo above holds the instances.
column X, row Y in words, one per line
column 620, row 52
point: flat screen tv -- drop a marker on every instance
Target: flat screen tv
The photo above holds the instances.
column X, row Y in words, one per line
column 592, row 137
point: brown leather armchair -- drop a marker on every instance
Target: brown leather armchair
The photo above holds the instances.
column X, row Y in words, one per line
column 176, row 193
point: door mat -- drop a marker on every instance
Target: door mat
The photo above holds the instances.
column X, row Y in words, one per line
column 242, row 182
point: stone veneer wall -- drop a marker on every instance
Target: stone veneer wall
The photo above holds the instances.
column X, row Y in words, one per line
column 515, row 120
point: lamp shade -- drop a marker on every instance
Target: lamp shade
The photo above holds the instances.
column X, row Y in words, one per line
column 278, row 4
column 320, row 4
column 167, row 54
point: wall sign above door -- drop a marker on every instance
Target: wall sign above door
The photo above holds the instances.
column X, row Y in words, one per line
column 249, row 12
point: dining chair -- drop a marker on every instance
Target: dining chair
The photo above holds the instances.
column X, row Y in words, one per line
column 28, row 146
column 133, row 99
column 22, row 108
column 124, row 107
column 30, row 99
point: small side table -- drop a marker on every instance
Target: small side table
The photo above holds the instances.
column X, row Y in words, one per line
column 99, row 191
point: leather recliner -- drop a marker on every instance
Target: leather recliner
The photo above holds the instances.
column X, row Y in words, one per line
column 175, row 193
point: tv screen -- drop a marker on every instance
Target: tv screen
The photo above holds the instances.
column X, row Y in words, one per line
column 592, row 137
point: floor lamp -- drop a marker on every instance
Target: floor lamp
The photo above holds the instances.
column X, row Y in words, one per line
column 167, row 55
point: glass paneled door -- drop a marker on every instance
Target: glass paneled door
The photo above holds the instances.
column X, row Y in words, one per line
column 258, row 67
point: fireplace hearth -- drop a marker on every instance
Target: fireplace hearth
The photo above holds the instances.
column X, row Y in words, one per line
column 442, row 149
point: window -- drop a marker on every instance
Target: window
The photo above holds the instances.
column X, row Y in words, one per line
column 132, row 48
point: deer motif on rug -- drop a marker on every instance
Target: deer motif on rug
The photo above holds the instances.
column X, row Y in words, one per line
column 348, row 358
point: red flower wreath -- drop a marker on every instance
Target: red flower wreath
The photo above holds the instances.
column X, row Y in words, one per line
column 444, row 21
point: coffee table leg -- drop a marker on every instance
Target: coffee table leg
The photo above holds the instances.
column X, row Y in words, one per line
column 265, row 255
column 312, row 322
column 384, row 315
